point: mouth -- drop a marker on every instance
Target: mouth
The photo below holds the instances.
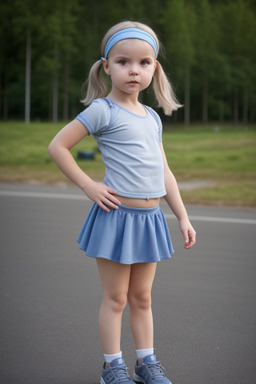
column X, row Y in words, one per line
column 133, row 82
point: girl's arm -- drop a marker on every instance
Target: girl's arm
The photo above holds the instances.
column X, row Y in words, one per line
column 59, row 150
column 175, row 202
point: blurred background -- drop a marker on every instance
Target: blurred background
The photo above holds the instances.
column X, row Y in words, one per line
column 208, row 51
column 49, row 292
column 47, row 48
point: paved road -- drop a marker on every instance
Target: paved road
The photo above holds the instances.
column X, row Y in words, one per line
column 203, row 300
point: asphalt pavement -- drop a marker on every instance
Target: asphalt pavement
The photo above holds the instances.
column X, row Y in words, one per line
column 204, row 299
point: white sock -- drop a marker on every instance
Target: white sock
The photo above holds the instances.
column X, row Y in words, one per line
column 141, row 353
column 110, row 358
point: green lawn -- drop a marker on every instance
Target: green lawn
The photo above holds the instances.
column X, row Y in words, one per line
column 226, row 157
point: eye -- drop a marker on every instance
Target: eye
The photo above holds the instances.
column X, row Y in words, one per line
column 145, row 62
column 122, row 62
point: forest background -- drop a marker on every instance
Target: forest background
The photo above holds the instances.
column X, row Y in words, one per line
column 46, row 51
column 47, row 48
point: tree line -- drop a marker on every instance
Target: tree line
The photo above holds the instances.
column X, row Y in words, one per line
column 47, row 48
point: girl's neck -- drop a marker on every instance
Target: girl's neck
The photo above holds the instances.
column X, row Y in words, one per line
column 129, row 102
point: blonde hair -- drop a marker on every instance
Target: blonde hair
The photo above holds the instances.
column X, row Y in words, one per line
column 96, row 83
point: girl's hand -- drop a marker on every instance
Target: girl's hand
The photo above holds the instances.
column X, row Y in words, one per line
column 188, row 232
column 102, row 195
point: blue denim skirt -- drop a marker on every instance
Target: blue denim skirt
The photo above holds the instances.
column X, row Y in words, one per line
column 126, row 235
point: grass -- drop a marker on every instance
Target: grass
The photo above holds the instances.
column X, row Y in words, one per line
column 226, row 156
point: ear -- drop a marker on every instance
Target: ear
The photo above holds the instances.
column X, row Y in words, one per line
column 106, row 66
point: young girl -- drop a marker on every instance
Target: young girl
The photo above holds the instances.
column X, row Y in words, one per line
column 126, row 230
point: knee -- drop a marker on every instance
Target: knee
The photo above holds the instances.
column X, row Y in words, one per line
column 118, row 302
column 140, row 300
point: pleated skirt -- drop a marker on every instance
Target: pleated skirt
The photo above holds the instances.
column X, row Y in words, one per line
column 126, row 235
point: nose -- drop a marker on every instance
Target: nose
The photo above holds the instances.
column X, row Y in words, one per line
column 134, row 70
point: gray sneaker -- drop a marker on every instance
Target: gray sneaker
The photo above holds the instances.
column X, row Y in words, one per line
column 116, row 373
column 150, row 372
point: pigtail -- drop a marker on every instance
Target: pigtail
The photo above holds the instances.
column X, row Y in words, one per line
column 96, row 87
column 164, row 92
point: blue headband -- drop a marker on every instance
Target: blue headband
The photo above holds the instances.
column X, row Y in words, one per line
column 130, row 33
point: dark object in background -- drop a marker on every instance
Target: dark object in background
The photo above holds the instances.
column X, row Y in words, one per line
column 83, row 155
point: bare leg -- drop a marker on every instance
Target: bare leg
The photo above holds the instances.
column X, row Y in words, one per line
column 139, row 297
column 115, row 280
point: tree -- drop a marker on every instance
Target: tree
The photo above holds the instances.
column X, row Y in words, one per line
column 178, row 23
column 25, row 24
column 210, row 51
column 205, row 51
column 238, row 39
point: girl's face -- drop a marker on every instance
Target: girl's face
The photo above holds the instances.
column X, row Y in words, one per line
column 131, row 65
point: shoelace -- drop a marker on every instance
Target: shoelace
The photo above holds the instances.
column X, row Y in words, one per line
column 156, row 370
column 120, row 373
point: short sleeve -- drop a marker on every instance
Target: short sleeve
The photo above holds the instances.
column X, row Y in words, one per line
column 96, row 117
column 159, row 123
column 160, row 127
